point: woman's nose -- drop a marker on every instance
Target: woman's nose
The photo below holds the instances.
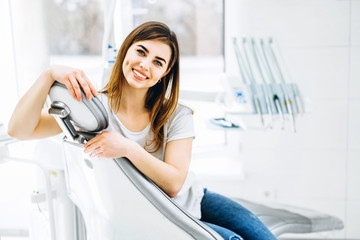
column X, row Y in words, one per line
column 144, row 64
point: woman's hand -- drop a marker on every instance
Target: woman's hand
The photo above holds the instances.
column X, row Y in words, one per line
column 73, row 78
column 109, row 144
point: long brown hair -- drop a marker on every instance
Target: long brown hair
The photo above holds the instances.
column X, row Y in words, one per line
column 162, row 98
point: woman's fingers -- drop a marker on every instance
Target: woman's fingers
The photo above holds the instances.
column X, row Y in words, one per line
column 79, row 79
column 93, row 149
column 92, row 144
column 74, row 80
column 75, row 85
column 89, row 84
column 85, row 86
column 96, row 153
column 89, row 146
column 70, row 88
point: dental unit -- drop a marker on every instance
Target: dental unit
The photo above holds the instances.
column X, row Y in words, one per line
column 262, row 76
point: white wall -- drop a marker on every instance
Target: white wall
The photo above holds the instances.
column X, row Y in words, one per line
column 8, row 91
column 318, row 166
column 24, row 52
column 23, row 57
column 31, row 49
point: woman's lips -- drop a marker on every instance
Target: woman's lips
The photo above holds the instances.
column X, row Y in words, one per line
column 139, row 75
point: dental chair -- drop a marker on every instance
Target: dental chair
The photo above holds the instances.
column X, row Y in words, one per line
column 116, row 201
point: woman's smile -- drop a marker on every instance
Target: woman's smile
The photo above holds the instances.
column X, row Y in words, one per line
column 139, row 75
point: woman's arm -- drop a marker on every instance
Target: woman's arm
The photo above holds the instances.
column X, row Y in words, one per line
column 28, row 120
column 169, row 174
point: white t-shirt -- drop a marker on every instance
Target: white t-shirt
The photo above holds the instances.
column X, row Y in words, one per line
column 179, row 126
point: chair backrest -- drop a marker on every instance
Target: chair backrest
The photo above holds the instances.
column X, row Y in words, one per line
column 116, row 200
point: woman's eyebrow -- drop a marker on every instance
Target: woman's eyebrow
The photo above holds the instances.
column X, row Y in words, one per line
column 147, row 51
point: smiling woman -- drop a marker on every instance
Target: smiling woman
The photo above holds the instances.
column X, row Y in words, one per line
column 146, row 125
column 141, row 64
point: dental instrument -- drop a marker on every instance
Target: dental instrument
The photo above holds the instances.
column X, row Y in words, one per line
column 222, row 122
column 255, row 53
column 239, row 61
column 287, row 100
column 294, row 86
column 253, row 81
column 276, row 98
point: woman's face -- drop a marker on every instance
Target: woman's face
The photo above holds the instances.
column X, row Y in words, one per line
column 146, row 63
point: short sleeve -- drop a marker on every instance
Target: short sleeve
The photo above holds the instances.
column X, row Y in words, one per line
column 181, row 124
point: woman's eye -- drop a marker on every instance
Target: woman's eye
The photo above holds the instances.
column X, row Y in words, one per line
column 158, row 63
column 141, row 52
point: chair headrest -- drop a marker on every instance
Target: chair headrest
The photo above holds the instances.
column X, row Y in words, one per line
column 88, row 115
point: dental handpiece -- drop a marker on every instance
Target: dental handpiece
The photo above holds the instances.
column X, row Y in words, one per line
column 289, row 109
column 278, row 108
column 266, row 96
column 258, row 109
column 288, row 104
column 253, row 83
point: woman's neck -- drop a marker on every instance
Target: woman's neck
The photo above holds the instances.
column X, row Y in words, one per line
column 133, row 101
column 132, row 112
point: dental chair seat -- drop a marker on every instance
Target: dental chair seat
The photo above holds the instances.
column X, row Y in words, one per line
column 282, row 218
column 117, row 201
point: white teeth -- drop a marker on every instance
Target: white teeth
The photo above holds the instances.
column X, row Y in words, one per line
column 139, row 74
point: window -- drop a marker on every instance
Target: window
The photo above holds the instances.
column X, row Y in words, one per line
column 198, row 24
column 199, row 27
column 74, row 34
column 74, row 27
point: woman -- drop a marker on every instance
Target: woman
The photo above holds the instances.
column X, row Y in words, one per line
column 146, row 125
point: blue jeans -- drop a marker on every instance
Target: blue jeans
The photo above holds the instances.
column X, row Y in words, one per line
column 231, row 220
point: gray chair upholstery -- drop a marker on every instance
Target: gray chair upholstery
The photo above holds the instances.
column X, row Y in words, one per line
column 282, row 218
